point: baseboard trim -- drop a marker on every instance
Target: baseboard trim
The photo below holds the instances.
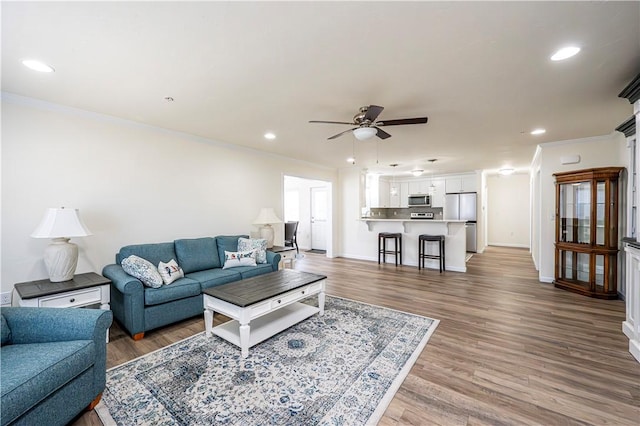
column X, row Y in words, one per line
column 548, row 280
column 524, row 246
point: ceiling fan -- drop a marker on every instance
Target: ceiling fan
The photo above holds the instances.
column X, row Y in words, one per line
column 367, row 126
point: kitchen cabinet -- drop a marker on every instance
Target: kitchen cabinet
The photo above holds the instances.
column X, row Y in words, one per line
column 384, row 194
column 463, row 183
column 437, row 193
column 587, row 231
column 404, row 194
column 420, row 186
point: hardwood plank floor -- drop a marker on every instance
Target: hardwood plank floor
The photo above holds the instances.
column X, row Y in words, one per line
column 509, row 349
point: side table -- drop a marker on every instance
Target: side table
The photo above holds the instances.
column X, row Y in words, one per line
column 287, row 255
column 83, row 290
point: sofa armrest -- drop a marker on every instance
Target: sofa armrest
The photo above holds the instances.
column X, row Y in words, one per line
column 41, row 325
column 124, row 282
column 127, row 298
column 273, row 259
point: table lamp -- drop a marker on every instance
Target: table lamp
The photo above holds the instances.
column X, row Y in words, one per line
column 61, row 256
column 265, row 218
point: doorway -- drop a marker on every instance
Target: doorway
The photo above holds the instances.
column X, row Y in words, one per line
column 308, row 202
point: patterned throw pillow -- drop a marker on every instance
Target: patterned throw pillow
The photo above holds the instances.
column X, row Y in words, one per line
column 143, row 270
column 170, row 271
column 233, row 259
column 259, row 245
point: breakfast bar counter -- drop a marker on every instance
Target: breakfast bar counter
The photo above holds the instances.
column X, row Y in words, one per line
column 453, row 231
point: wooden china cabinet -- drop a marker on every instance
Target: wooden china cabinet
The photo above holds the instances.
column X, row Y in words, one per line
column 587, row 231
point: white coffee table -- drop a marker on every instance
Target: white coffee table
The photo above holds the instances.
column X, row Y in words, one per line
column 262, row 306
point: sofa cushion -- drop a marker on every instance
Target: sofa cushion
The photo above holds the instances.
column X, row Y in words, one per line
column 252, row 271
column 227, row 243
column 154, row 253
column 6, row 332
column 179, row 289
column 214, row 277
column 31, row 372
column 197, row 254
column 143, row 270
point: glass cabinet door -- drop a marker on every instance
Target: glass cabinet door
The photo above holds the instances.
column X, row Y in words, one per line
column 600, row 209
column 574, row 266
column 575, row 211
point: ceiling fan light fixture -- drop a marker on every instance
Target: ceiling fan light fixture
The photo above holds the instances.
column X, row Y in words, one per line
column 417, row 172
column 364, row 133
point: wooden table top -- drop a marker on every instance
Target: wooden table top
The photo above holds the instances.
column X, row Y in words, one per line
column 39, row 288
column 256, row 289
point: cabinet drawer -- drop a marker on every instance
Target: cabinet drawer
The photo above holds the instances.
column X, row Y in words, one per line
column 80, row 298
column 287, row 298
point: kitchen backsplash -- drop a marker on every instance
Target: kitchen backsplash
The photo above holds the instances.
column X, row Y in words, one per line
column 401, row 213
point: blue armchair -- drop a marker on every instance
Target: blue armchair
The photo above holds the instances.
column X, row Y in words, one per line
column 52, row 363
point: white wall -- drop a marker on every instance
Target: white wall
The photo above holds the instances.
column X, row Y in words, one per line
column 508, row 210
column 132, row 183
column 599, row 151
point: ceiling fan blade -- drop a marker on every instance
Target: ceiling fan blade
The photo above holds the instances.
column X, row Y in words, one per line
column 342, row 133
column 332, row 122
column 373, row 111
column 418, row 120
column 382, row 134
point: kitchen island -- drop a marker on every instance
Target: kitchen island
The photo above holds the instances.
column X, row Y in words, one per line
column 453, row 230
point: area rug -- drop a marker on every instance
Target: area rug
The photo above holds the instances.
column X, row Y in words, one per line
column 339, row 369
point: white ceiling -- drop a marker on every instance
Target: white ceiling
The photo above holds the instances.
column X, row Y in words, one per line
column 479, row 70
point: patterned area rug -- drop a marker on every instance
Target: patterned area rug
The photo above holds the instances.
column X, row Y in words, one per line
column 339, row 369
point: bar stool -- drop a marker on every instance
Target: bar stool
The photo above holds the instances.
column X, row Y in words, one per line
column 422, row 255
column 382, row 246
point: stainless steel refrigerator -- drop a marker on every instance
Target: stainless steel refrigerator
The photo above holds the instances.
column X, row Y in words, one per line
column 463, row 206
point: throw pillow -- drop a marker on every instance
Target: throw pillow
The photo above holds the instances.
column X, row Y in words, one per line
column 233, row 259
column 6, row 332
column 259, row 245
column 170, row 271
column 143, row 270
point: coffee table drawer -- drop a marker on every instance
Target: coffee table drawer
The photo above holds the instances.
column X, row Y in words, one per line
column 295, row 295
column 79, row 298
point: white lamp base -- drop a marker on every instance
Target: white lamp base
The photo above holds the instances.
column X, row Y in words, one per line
column 61, row 260
column 266, row 232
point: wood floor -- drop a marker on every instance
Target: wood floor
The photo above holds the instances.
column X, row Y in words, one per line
column 509, row 350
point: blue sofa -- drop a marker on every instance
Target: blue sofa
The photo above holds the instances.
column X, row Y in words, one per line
column 53, row 363
column 139, row 308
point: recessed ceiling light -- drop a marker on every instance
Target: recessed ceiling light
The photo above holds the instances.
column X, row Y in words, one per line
column 565, row 53
column 37, row 65
column 417, row 172
column 506, row 171
column 351, row 160
column 269, row 136
column 538, row 131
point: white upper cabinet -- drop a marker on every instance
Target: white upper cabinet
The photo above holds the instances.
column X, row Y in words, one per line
column 463, row 183
column 404, row 194
column 384, row 197
column 438, row 191
column 420, row 186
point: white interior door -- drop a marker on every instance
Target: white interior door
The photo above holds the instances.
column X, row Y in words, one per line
column 319, row 213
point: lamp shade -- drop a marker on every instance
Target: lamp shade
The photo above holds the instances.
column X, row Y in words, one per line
column 363, row 133
column 59, row 223
column 266, row 216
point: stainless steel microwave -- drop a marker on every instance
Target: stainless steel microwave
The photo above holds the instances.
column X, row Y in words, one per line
column 419, row 200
